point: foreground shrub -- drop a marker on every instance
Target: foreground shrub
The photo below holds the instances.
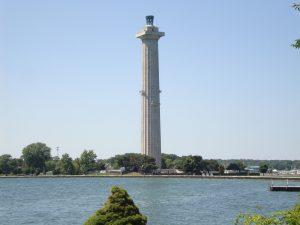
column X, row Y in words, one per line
column 119, row 209
column 287, row 217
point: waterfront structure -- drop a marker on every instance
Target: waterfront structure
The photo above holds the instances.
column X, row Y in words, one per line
column 150, row 93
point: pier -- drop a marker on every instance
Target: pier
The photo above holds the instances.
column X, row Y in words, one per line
column 284, row 188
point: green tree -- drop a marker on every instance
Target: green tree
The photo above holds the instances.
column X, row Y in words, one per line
column 297, row 42
column 168, row 161
column 233, row 166
column 178, row 163
column 237, row 166
column 53, row 165
column 134, row 162
column 198, row 164
column 192, row 164
column 16, row 165
column 131, row 161
column 88, row 161
column 241, row 165
column 188, row 164
column 9, row 165
column 119, row 209
column 148, row 165
column 77, row 166
column 35, row 155
column 6, row 166
column 210, row 165
column 100, row 164
column 221, row 169
column 263, row 168
column 66, row 165
column 287, row 217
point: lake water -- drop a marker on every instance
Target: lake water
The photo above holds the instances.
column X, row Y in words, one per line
column 165, row 201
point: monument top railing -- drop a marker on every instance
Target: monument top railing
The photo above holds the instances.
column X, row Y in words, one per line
column 150, row 31
column 149, row 20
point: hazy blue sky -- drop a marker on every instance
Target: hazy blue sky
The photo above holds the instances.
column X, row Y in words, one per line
column 70, row 75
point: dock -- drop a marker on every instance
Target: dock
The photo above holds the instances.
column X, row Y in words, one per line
column 284, row 188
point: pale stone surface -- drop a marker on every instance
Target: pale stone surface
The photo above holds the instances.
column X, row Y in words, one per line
column 151, row 134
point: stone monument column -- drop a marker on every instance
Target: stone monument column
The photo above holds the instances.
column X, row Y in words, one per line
column 151, row 137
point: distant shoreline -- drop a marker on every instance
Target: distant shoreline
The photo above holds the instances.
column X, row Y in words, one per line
column 295, row 178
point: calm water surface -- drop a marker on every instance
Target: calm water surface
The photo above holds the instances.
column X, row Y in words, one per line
column 176, row 201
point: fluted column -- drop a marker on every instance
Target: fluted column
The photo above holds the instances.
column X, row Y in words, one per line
column 151, row 134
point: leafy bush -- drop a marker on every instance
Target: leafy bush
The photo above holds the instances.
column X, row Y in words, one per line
column 287, row 217
column 119, row 209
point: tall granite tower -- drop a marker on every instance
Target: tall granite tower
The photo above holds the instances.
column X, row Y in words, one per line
column 151, row 141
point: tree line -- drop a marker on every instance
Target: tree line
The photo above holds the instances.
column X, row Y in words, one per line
column 36, row 158
column 272, row 164
column 194, row 164
column 191, row 164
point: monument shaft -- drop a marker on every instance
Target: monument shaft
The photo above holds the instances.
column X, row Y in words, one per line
column 150, row 93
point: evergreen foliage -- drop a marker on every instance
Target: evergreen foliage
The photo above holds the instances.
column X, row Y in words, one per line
column 119, row 209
